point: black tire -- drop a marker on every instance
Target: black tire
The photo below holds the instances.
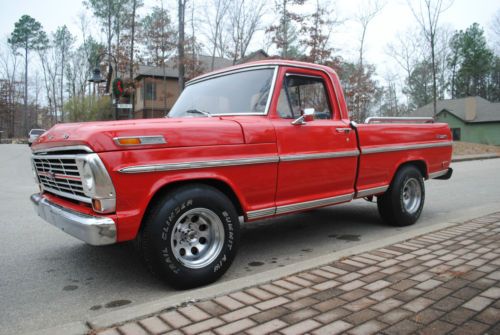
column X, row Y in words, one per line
column 190, row 213
column 402, row 204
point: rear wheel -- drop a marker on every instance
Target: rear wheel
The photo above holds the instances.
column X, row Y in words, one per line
column 403, row 202
column 190, row 236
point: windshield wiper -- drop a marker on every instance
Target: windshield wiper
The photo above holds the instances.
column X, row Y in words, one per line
column 197, row 111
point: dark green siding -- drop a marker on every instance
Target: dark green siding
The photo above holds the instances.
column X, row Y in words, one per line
column 486, row 133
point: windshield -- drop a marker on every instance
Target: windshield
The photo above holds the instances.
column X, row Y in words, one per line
column 37, row 131
column 244, row 92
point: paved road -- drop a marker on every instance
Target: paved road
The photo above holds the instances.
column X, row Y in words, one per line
column 48, row 278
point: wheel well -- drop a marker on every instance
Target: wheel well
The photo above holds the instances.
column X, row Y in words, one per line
column 420, row 165
column 217, row 184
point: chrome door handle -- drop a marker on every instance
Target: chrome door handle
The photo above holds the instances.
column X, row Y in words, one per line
column 343, row 130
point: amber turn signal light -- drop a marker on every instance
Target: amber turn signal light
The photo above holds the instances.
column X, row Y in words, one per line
column 96, row 204
column 129, row 141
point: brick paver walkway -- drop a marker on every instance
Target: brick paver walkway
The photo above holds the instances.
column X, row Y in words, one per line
column 445, row 282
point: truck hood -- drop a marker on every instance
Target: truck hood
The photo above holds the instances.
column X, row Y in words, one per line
column 181, row 132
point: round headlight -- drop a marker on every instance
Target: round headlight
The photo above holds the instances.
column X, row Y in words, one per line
column 88, row 178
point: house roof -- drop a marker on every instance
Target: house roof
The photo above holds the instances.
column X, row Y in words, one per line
column 171, row 70
column 256, row 55
column 470, row 109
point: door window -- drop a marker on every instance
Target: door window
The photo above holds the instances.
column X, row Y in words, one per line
column 301, row 92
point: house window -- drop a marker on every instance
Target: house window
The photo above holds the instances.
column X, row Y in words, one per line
column 149, row 91
column 456, row 134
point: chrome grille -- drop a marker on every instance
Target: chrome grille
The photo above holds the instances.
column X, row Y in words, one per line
column 59, row 174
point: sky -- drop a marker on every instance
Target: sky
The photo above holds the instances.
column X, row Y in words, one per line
column 395, row 17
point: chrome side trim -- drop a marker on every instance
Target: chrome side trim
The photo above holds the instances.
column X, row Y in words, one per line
column 94, row 230
column 339, row 154
column 438, row 174
column 260, row 213
column 235, row 162
column 405, row 147
column 199, row 165
column 371, row 191
column 63, row 148
column 391, row 119
column 314, row 203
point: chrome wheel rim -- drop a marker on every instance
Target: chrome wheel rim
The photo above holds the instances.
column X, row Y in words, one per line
column 197, row 238
column 412, row 195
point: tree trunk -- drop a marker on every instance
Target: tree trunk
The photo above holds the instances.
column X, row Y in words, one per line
column 132, row 37
column 285, row 31
column 25, row 90
column 180, row 45
column 134, row 5
column 434, row 85
column 110, row 36
column 62, row 83
column 361, row 46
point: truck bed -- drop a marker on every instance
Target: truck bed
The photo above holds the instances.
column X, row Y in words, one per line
column 384, row 147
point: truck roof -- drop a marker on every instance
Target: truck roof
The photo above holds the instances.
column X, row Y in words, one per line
column 263, row 63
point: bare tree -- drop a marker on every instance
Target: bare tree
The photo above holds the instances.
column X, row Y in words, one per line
column 427, row 13
column 49, row 60
column 318, row 31
column 407, row 51
column 284, row 33
column 245, row 19
column 181, row 43
column 367, row 13
column 495, row 27
column 63, row 40
column 216, row 19
column 8, row 84
column 134, row 5
column 157, row 35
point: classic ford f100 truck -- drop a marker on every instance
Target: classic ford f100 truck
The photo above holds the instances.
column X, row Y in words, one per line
column 241, row 144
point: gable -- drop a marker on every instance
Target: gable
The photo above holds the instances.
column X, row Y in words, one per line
column 450, row 118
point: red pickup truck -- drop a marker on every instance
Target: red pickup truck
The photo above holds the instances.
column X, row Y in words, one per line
column 241, row 144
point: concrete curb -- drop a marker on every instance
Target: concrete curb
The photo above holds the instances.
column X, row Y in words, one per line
column 465, row 158
column 140, row 311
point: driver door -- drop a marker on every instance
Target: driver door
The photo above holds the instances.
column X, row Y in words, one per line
column 318, row 158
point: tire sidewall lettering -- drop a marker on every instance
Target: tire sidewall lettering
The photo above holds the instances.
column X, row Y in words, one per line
column 166, row 252
column 167, row 255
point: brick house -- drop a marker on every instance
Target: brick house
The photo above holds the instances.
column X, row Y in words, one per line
column 157, row 88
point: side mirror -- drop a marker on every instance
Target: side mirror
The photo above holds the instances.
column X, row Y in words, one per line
column 308, row 116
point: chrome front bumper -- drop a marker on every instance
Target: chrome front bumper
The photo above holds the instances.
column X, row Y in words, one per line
column 94, row 230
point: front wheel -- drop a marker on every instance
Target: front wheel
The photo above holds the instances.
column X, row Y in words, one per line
column 403, row 202
column 190, row 236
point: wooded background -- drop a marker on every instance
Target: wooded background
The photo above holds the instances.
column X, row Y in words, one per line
column 44, row 75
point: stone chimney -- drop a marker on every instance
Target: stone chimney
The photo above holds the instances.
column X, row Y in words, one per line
column 470, row 108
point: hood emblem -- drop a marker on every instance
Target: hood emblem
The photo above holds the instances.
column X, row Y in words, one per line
column 65, row 136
